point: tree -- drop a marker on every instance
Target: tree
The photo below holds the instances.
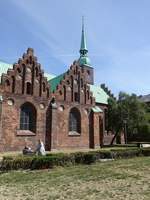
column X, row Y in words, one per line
column 127, row 109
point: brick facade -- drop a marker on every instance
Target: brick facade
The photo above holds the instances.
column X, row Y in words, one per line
column 26, row 83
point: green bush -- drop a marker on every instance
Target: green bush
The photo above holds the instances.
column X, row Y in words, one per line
column 78, row 157
column 146, row 152
column 14, row 163
column 125, row 153
column 62, row 159
column 89, row 158
column 105, row 155
column 83, row 157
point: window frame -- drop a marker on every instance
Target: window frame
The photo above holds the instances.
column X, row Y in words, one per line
column 28, row 118
column 74, row 122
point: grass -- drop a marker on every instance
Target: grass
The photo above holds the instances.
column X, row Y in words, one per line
column 122, row 179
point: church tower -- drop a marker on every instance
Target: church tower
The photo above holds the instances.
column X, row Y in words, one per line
column 84, row 60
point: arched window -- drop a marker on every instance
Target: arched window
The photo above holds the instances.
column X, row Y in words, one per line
column 72, row 88
column 29, row 88
column 19, row 70
column 40, row 92
column 13, row 84
column 75, row 120
column 44, row 87
column 23, row 78
column 7, row 83
column 64, row 93
column 36, row 72
column 85, row 94
column 47, row 92
column 30, row 59
column 88, row 94
column 28, row 117
column 91, row 100
column 81, row 82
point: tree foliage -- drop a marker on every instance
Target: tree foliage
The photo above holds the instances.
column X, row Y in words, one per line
column 129, row 110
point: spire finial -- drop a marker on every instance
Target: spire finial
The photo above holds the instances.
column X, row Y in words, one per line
column 83, row 48
column 83, row 23
column 83, row 60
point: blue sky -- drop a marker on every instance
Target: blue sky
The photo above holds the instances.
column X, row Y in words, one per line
column 118, row 37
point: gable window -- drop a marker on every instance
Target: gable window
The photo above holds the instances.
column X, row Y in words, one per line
column 44, row 87
column 28, row 89
column 88, row 72
column 36, row 72
column 64, row 93
column 76, row 97
column 7, row 83
column 28, row 117
column 18, row 70
column 75, row 121
column 81, row 82
column 13, row 84
column 88, row 94
column 91, row 100
column 47, row 92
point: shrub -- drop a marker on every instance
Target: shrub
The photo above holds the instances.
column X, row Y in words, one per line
column 89, row 157
column 83, row 157
column 9, row 163
column 62, row 159
column 125, row 153
column 77, row 157
column 145, row 152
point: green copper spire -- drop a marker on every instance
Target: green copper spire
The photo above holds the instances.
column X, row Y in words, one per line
column 83, row 48
column 83, row 60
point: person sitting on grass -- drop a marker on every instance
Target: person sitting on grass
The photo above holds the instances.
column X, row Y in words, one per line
column 40, row 150
column 27, row 150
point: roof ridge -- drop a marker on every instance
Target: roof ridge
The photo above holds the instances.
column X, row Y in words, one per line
column 5, row 62
column 54, row 82
column 58, row 76
column 50, row 74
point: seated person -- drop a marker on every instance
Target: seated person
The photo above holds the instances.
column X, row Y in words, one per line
column 27, row 150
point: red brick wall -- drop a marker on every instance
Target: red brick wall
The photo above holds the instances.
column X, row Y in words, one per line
column 11, row 137
column 14, row 91
column 64, row 140
column 54, row 128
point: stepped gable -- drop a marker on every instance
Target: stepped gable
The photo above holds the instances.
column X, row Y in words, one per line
column 72, row 86
column 108, row 92
column 26, row 77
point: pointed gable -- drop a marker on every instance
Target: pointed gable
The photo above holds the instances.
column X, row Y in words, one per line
column 25, row 77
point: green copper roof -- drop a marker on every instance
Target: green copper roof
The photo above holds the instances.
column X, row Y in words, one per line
column 97, row 109
column 49, row 76
column 5, row 66
column 83, row 60
column 99, row 94
column 83, row 39
column 55, row 81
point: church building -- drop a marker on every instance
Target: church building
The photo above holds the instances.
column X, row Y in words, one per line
column 65, row 111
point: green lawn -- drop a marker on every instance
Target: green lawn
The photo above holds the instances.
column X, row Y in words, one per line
column 116, row 180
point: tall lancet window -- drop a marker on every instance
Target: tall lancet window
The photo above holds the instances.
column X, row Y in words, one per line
column 75, row 120
column 28, row 117
column 29, row 88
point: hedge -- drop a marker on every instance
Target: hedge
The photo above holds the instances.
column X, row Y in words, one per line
column 63, row 159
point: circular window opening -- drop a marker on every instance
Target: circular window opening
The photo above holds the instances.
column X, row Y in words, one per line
column 10, row 102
